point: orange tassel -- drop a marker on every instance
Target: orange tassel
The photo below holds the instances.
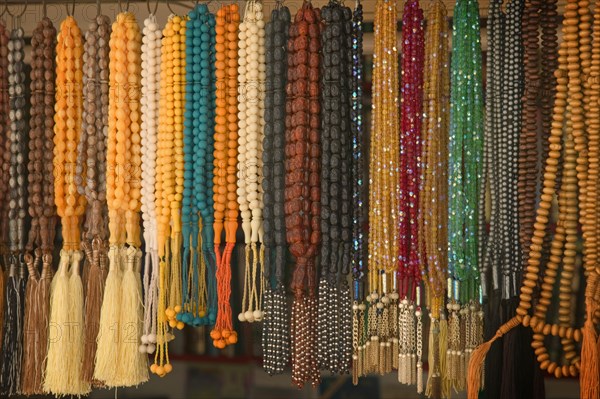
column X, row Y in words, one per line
column 478, row 358
column 589, row 377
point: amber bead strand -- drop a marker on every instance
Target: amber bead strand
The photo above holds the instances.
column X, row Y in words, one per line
column 384, row 178
column 63, row 367
column 432, row 206
column 118, row 359
column 41, row 205
column 226, row 143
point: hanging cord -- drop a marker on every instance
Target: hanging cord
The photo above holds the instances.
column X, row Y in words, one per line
column 41, row 206
column 151, row 53
column 275, row 339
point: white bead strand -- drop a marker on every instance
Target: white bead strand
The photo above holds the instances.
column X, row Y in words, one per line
column 151, row 54
column 251, row 94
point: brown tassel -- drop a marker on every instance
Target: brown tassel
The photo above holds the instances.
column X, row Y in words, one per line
column 478, row 358
column 35, row 337
column 94, row 291
column 2, row 298
column 589, row 356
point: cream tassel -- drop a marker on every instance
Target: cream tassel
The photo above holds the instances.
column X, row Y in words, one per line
column 56, row 380
column 65, row 341
column 107, row 354
column 75, row 329
column 132, row 368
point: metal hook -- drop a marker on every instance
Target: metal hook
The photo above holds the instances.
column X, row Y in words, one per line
column 169, row 7
column 98, row 8
column 71, row 12
column 21, row 13
column 44, row 9
column 155, row 7
column 5, row 8
column 126, row 6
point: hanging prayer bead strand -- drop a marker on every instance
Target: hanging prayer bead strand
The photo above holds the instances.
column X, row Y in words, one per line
column 465, row 149
column 91, row 178
column 164, row 194
column 4, row 165
column 358, row 219
column 122, row 294
column 276, row 323
column 151, row 51
column 384, row 179
column 303, row 186
column 410, row 154
column 11, row 359
column 569, row 136
column 198, row 97
column 41, row 206
column 333, row 323
column 226, row 144
column 251, row 83
column 434, row 187
column 175, row 110
column 63, row 374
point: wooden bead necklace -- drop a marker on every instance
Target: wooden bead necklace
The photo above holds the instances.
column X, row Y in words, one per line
column 91, row 178
column 251, row 89
column 302, row 191
column 4, row 164
column 151, row 52
column 409, row 274
column 11, row 359
column 225, row 163
column 41, row 206
column 384, row 177
column 358, row 200
column 198, row 289
column 63, row 374
column 577, row 70
column 465, row 152
column 118, row 359
column 276, row 321
column 333, row 323
column 432, row 196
